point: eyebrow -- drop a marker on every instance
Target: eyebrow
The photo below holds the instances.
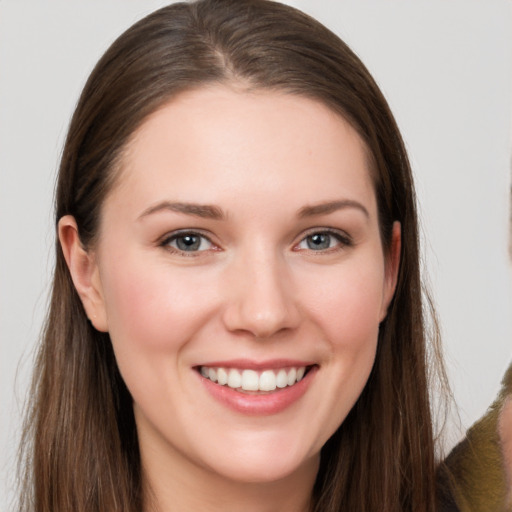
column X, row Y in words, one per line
column 205, row 211
column 330, row 207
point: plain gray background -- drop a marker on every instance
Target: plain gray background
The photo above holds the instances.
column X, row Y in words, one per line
column 446, row 69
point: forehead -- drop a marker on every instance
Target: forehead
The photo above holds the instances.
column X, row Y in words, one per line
column 238, row 141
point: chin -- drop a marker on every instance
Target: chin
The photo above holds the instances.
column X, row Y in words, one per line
column 266, row 472
column 264, row 461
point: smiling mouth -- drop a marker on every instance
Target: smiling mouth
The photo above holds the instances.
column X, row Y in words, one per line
column 247, row 381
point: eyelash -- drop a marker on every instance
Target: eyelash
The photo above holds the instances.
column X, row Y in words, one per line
column 167, row 240
column 343, row 240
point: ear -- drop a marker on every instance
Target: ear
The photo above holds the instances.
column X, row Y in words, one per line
column 84, row 272
column 392, row 265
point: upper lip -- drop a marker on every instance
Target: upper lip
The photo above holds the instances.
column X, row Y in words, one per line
column 250, row 364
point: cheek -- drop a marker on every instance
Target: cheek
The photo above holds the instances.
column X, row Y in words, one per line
column 153, row 307
column 349, row 305
column 153, row 312
column 345, row 311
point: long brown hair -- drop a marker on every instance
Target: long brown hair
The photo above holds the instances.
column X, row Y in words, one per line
column 81, row 437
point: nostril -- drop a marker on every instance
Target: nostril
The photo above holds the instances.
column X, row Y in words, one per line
column 260, row 322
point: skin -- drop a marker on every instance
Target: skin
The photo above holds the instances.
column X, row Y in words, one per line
column 255, row 290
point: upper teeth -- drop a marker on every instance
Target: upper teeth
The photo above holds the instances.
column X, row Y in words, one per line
column 251, row 380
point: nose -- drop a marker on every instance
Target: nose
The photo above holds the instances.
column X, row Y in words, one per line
column 262, row 300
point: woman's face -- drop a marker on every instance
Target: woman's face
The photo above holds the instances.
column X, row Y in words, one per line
column 239, row 249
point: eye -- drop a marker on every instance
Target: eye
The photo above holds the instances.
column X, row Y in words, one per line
column 323, row 240
column 187, row 242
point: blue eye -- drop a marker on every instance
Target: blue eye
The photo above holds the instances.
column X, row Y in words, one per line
column 323, row 240
column 188, row 242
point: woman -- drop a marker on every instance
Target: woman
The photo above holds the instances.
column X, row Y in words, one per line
column 236, row 318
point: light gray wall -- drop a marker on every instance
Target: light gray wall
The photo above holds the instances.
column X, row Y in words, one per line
column 446, row 68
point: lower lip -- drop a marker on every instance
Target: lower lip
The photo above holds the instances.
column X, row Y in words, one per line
column 259, row 404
